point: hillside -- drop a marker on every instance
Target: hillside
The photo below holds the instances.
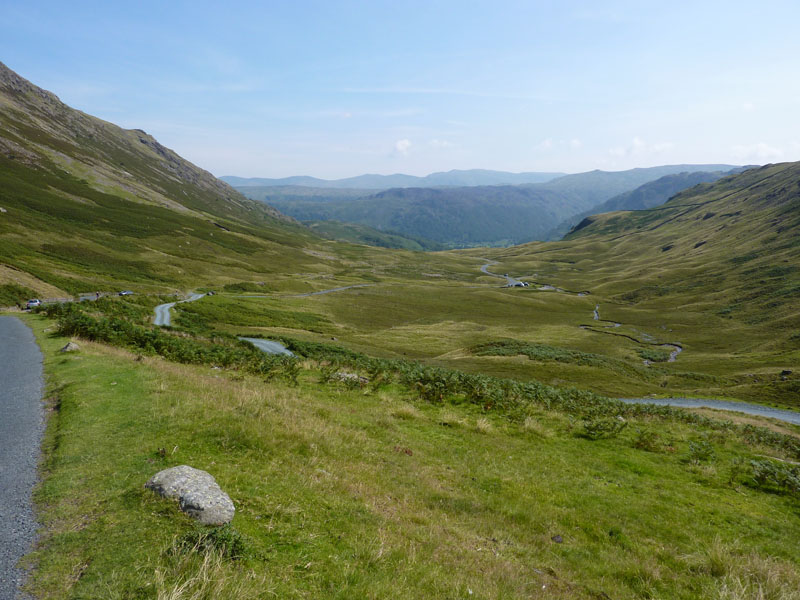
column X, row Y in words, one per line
column 87, row 206
column 648, row 195
column 715, row 269
column 363, row 234
column 496, row 215
column 467, row 177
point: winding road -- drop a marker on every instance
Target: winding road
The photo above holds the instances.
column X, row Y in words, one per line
column 743, row 407
column 21, row 429
column 510, row 281
column 162, row 310
column 268, row 346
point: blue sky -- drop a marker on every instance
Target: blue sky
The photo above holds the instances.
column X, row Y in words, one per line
column 335, row 89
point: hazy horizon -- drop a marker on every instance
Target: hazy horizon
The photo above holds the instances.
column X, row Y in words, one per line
column 335, row 90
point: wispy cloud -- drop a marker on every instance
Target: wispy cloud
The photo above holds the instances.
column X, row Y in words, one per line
column 436, row 143
column 638, row 147
column 760, row 151
column 444, row 92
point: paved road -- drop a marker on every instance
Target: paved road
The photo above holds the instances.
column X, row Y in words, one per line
column 743, row 407
column 21, row 428
column 338, row 289
column 268, row 346
column 162, row 310
column 510, row 281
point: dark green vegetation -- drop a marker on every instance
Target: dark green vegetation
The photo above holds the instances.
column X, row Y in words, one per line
column 362, row 234
column 11, row 294
column 479, row 215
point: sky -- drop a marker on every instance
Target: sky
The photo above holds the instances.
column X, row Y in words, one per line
column 338, row 88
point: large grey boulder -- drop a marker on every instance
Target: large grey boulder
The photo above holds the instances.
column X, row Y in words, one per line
column 197, row 493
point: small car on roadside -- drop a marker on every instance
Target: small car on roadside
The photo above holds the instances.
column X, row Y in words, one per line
column 33, row 303
column 126, row 293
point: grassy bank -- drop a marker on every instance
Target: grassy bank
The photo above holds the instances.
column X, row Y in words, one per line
column 344, row 493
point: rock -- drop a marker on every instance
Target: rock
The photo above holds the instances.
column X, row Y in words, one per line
column 557, row 539
column 71, row 347
column 197, row 493
column 351, row 378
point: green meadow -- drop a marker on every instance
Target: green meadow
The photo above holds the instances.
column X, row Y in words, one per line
column 346, row 491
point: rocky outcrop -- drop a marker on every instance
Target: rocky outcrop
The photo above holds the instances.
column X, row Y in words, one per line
column 70, row 347
column 197, row 493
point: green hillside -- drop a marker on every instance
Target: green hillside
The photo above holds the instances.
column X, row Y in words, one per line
column 649, row 195
column 90, row 206
column 363, row 234
column 715, row 268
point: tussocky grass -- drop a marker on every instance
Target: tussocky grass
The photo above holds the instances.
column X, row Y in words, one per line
column 354, row 493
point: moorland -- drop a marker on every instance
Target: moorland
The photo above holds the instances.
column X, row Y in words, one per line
column 479, row 451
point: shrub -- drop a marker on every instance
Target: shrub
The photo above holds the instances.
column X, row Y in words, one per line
column 700, row 451
column 595, row 429
column 646, row 439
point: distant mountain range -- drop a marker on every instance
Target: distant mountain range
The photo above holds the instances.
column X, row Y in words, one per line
column 467, row 215
column 468, row 177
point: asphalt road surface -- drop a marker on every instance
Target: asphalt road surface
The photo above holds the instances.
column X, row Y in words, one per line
column 21, row 428
column 162, row 310
column 268, row 346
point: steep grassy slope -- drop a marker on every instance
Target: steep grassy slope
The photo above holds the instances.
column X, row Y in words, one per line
column 649, row 195
column 87, row 205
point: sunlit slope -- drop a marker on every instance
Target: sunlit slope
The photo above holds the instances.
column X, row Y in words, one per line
column 734, row 247
column 88, row 205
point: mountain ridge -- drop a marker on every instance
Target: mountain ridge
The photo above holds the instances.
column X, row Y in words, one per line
column 454, row 177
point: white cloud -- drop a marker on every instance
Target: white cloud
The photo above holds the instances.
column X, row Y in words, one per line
column 638, row 147
column 748, row 107
column 441, row 144
column 545, row 144
column 402, row 146
column 575, row 143
column 758, row 152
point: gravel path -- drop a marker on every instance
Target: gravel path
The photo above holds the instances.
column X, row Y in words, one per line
column 21, row 429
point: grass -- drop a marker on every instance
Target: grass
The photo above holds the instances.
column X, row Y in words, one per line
column 351, row 493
